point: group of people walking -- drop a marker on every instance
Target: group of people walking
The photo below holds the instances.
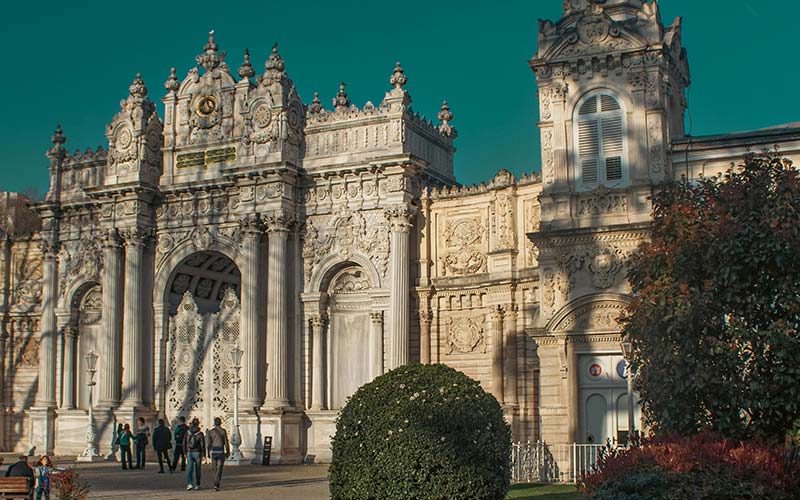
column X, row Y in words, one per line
column 191, row 445
column 37, row 476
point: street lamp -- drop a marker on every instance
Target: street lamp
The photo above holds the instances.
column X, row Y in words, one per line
column 90, row 454
column 627, row 352
column 236, row 437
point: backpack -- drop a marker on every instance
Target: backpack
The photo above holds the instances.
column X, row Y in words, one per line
column 195, row 441
column 182, row 429
column 142, row 438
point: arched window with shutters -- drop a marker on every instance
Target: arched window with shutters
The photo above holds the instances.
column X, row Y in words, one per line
column 600, row 152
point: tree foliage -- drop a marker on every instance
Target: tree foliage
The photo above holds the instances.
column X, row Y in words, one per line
column 714, row 321
column 421, row 431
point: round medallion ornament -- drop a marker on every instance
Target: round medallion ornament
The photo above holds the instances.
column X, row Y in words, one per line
column 262, row 115
column 124, row 139
column 294, row 116
column 207, row 105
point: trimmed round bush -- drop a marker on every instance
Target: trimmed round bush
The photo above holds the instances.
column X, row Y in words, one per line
column 421, row 432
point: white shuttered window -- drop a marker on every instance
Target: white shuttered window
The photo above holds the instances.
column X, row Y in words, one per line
column 600, row 139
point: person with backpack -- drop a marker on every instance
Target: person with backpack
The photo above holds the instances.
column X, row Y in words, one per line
column 180, row 452
column 142, row 438
column 218, row 449
column 162, row 442
column 124, row 439
column 195, row 446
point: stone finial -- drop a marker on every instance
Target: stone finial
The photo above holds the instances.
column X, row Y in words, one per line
column 445, row 116
column 275, row 62
column 210, row 59
column 137, row 88
column 58, row 138
column 398, row 79
column 315, row 106
column 246, row 69
column 341, row 101
column 172, row 84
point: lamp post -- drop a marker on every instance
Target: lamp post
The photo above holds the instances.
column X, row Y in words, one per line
column 627, row 351
column 90, row 454
column 236, row 437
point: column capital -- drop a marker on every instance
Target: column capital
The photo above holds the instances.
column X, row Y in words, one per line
column 110, row 238
column 49, row 248
column 510, row 311
column 425, row 317
column 496, row 313
column 135, row 236
column 318, row 320
column 70, row 331
column 400, row 218
column 279, row 221
column 251, row 225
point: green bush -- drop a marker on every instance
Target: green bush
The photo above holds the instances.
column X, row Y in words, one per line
column 421, row 432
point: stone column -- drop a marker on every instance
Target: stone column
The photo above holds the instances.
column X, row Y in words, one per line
column 277, row 322
column 161, row 322
column 510, row 358
column 46, row 394
column 425, row 336
column 318, row 363
column 376, row 345
column 400, row 218
column 496, row 333
column 133, row 320
column 249, row 397
column 110, row 381
column 70, row 377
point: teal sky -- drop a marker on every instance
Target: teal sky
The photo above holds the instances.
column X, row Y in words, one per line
column 72, row 62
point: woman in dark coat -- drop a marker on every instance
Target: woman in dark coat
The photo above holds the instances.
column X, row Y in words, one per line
column 162, row 442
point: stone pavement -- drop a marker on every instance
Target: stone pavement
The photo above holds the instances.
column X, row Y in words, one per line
column 275, row 482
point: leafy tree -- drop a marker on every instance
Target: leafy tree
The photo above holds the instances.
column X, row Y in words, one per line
column 714, row 321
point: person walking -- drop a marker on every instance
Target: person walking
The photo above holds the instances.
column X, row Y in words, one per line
column 22, row 469
column 195, row 446
column 43, row 472
column 124, row 439
column 142, row 438
column 162, row 442
column 180, row 451
column 218, row 449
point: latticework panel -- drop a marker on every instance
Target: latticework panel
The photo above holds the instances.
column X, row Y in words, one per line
column 186, row 360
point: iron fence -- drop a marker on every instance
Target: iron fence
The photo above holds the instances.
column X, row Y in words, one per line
column 552, row 463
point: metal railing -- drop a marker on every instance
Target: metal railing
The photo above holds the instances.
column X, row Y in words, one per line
column 552, row 463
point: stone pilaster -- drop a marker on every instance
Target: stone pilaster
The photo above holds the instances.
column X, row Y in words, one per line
column 318, row 363
column 111, row 380
column 46, row 395
column 376, row 343
column 277, row 321
column 510, row 358
column 70, row 376
column 249, row 396
column 425, row 336
column 400, row 218
column 162, row 338
column 133, row 328
column 496, row 333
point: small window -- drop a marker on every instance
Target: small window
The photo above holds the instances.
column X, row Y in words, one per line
column 600, row 139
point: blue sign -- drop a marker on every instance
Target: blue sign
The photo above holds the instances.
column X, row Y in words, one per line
column 621, row 369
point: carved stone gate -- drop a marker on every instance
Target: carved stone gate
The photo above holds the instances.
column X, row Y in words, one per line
column 200, row 361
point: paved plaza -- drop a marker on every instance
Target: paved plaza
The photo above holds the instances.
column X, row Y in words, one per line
column 107, row 480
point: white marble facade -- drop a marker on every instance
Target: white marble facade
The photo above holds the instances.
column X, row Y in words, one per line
column 333, row 244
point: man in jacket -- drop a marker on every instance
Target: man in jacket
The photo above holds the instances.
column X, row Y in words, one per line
column 22, row 469
column 195, row 445
column 162, row 442
column 141, row 438
column 218, row 449
column 180, row 451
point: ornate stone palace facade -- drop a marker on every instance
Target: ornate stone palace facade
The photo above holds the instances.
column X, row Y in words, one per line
column 333, row 244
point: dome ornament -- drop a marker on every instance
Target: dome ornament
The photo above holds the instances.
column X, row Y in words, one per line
column 58, row 138
column 172, row 84
column 341, row 101
column 398, row 79
column 210, row 59
column 246, row 70
column 137, row 88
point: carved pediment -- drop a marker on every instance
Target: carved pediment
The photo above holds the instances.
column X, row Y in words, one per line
column 590, row 315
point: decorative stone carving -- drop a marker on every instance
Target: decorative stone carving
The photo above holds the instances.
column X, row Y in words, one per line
column 502, row 210
column 655, row 143
column 604, row 267
column 350, row 281
column 465, row 335
column 532, row 222
column 28, row 353
column 602, row 202
column 79, row 260
column 548, row 157
column 91, row 306
column 465, row 239
column 202, row 239
column 602, row 315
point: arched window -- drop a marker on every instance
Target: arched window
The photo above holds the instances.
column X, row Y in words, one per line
column 600, row 156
